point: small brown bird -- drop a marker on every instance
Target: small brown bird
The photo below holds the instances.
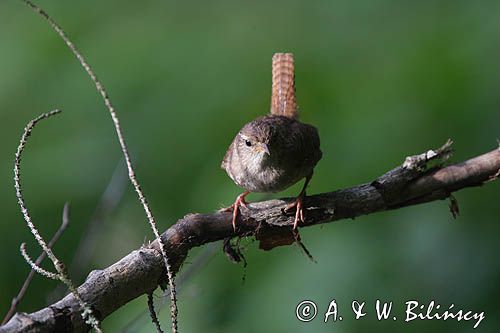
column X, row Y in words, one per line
column 273, row 152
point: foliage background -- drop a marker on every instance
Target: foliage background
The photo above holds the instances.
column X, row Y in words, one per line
column 380, row 79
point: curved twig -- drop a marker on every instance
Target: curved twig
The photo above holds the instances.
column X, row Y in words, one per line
column 87, row 313
column 131, row 173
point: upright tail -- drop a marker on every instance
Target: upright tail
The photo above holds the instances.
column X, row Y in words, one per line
column 283, row 95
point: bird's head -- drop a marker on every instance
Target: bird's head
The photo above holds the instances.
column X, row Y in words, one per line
column 255, row 140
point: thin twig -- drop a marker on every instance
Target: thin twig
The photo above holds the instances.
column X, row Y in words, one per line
column 16, row 300
column 87, row 313
column 152, row 313
column 17, row 183
column 35, row 267
column 121, row 139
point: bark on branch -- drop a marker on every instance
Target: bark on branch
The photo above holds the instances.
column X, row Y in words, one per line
column 140, row 272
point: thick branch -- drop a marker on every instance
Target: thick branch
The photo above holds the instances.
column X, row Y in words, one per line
column 140, row 272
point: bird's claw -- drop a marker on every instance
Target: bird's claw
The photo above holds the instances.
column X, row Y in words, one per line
column 240, row 201
column 299, row 211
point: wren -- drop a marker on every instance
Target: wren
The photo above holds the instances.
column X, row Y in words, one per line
column 275, row 151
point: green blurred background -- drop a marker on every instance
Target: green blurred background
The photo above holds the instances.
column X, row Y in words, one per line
column 380, row 79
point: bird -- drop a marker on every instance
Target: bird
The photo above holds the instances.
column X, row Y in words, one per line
column 274, row 151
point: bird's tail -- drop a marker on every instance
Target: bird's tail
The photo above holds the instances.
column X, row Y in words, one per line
column 283, row 94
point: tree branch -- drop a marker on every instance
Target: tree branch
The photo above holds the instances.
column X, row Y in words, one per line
column 414, row 182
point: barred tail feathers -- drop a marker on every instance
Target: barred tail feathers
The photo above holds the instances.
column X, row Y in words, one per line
column 283, row 92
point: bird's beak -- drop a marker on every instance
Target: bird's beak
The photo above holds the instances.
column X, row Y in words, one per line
column 262, row 147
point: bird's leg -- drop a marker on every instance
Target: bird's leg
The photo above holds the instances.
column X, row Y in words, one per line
column 298, row 204
column 240, row 201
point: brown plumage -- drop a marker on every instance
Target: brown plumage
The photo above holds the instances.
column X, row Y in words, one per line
column 283, row 94
column 273, row 152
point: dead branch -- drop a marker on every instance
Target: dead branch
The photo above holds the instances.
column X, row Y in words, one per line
column 139, row 272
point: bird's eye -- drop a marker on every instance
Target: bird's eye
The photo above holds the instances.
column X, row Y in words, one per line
column 248, row 143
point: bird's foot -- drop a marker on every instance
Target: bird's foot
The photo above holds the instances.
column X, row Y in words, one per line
column 240, row 201
column 299, row 210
